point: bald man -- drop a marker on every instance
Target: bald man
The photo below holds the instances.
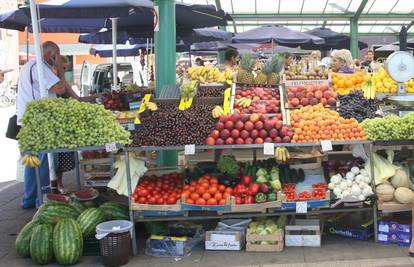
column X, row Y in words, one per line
column 29, row 90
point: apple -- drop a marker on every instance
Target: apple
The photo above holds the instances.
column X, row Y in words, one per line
column 219, row 142
column 239, row 141
column 249, row 126
column 286, row 139
column 210, row 141
column 263, row 133
column 279, row 116
column 224, row 118
column 235, row 117
column 235, row 133
column 331, row 101
column 215, row 134
column 254, row 117
column 248, row 141
column 273, row 133
column 313, row 101
column 284, row 131
column 244, row 134
column 254, row 133
column 277, row 139
column 258, row 140
column 225, row 134
column 258, row 125
column 268, row 140
column 244, row 118
column 219, row 126
column 229, row 141
column 304, row 101
column 229, row 125
column 239, row 125
column 269, row 124
column 279, row 124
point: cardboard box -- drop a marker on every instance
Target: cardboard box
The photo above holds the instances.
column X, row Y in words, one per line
column 224, row 240
column 399, row 238
column 351, row 227
column 393, row 227
column 303, row 233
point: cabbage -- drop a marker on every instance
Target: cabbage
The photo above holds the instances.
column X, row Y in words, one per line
column 383, row 169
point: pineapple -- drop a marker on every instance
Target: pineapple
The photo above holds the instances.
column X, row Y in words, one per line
column 261, row 77
column 275, row 66
column 245, row 74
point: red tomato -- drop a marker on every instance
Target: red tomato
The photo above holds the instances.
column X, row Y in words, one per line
column 134, row 196
column 201, row 190
column 200, row 201
column 239, row 200
column 213, row 180
column 229, row 190
column 165, row 187
column 222, row 188
column 171, row 200
column 189, row 201
column 206, row 185
column 206, row 196
column 192, row 189
column 142, row 200
column 212, row 190
column 194, row 196
column 222, row 202
column 212, row 201
column 193, row 183
column 160, row 201
column 186, row 187
column 218, row 196
column 152, row 200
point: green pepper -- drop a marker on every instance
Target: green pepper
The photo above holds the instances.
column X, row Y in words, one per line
column 271, row 197
column 260, row 198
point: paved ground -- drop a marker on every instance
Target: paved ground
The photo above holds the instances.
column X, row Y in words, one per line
column 335, row 251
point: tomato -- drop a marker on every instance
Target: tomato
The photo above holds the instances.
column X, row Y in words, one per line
column 212, row 201
column 218, row 196
column 239, row 200
column 156, row 195
column 206, row 185
column 214, row 181
column 194, row 196
column 222, row 202
column 171, row 200
column 212, row 190
column 152, row 200
column 200, row 201
column 201, row 190
column 142, row 200
column 160, row 201
column 206, row 196
column 248, row 200
column 189, row 201
column 134, row 196
column 186, row 187
column 193, row 183
column 144, row 192
column 165, row 187
column 222, row 188
column 207, row 177
column 229, row 190
column 192, row 189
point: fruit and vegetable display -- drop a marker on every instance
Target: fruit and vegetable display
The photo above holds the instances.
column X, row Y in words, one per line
column 269, row 73
column 294, row 73
column 383, row 83
column 345, row 83
column 355, row 105
column 58, row 229
column 161, row 190
column 209, row 74
column 67, row 123
column 257, row 99
column 351, row 180
column 291, row 193
column 312, row 94
column 206, row 190
column 391, row 127
column 316, row 123
column 245, row 73
column 267, row 226
column 249, row 129
column 210, row 91
column 409, row 86
column 170, row 126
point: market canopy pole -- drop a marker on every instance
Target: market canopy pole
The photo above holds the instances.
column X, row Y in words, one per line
column 354, row 29
column 165, row 59
column 221, row 54
column 40, row 76
column 114, row 53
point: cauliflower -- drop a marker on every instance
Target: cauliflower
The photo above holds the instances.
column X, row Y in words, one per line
column 356, row 190
column 355, row 170
column 350, row 176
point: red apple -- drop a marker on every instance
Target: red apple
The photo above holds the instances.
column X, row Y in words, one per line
column 239, row 125
column 249, row 126
column 263, row 133
column 258, row 140
column 244, row 118
column 215, row 134
column 268, row 140
column 225, row 134
column 286, row 139
column 244, row 134
column 219, row 142
column 248, row 141
column 277, row 139
column 269, row 124
column 279, row 124
column 254, row 133
column 273, row 133
column 219, row 126
column 229, row 125
column 235, row 117
column 224, row 118
column 258, row 125
column 235, row 133
column 284, row 131
column 254, row 117
column 279, row 116
column 229, row 141
column 239, row 141
column 313, row 101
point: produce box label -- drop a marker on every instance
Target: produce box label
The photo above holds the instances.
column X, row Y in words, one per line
column 218, row 245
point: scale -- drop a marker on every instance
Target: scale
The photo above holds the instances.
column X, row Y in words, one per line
column 400, row 66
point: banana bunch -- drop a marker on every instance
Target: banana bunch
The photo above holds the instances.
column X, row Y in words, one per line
column 31, row 161
column 369, row 90
column 226, row 77
column 151, row 106
column 281, row 154
column 189, row 89
column 217, row 112
column 244, row 102
column 204, row 74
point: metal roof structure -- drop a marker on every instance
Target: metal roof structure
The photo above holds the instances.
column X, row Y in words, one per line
column 373, row 17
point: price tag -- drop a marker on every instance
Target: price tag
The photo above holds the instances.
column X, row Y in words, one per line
column 302, row 207
column 189, row 149
column 181, row 106
column 269, row 149
column 226, row 102
column 131, row 126
column 188, row 103
column 143, row 107
column 111, row 147
column 326, row 145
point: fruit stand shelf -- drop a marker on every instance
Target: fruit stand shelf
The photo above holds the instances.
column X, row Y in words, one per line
column 390, row 207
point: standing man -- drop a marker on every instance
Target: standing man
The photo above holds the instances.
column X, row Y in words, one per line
column 29, row 90
column 369, row 59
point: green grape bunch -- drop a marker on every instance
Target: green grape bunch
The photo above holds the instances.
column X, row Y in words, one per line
column 67, row 123
column 390, row 127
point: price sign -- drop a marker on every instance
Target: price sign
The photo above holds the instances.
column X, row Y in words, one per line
column 326, row 145
column 269, row 149
column 226, row 102
column 301, row 207
column 181, row 106
column 111, row 147
column 188, row 103
column 131, row 126
column 189, row 149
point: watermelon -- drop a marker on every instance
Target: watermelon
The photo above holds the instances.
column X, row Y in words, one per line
column 67, row 242
column 41, row 244
column 52, row 212
column 115, row 211
column 89, row 219
column 22, row 243
column 78, row 206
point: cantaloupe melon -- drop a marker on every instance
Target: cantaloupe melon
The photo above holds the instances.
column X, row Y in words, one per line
column 404, row 195
column 385, row 192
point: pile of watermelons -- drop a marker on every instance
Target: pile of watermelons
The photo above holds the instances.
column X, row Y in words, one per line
column 58, row 229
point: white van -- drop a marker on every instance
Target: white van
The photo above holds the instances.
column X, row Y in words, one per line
column 99, row 78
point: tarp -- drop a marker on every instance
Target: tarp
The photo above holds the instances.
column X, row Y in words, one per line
column 333, row 40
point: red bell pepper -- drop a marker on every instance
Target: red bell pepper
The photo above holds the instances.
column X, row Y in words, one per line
column 254, row 189
column 247, row 180
column 248, row 200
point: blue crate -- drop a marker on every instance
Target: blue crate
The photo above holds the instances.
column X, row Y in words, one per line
column 311, row 204
column 185, row 206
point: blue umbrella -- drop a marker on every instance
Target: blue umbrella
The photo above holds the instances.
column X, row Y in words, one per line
column 333, row 40
column 126, row 50
column 278, row 34
column 139, row 36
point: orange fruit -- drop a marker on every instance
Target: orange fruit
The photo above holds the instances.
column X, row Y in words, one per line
column 206, row 196
column 194, row 196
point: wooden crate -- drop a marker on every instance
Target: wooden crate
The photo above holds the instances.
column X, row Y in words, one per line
column 393, row 206
column 257, row 207
column 277, row 237
column 306, row 82
column 149, row 207
column 303, row 233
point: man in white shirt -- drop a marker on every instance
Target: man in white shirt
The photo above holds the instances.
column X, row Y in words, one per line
column 28, row 90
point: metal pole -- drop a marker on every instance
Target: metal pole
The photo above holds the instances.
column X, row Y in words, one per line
column 77, row 169
column 114, row 53
column 131, row 212
column 374, row 202
column 354, row 37
column 41, row 79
